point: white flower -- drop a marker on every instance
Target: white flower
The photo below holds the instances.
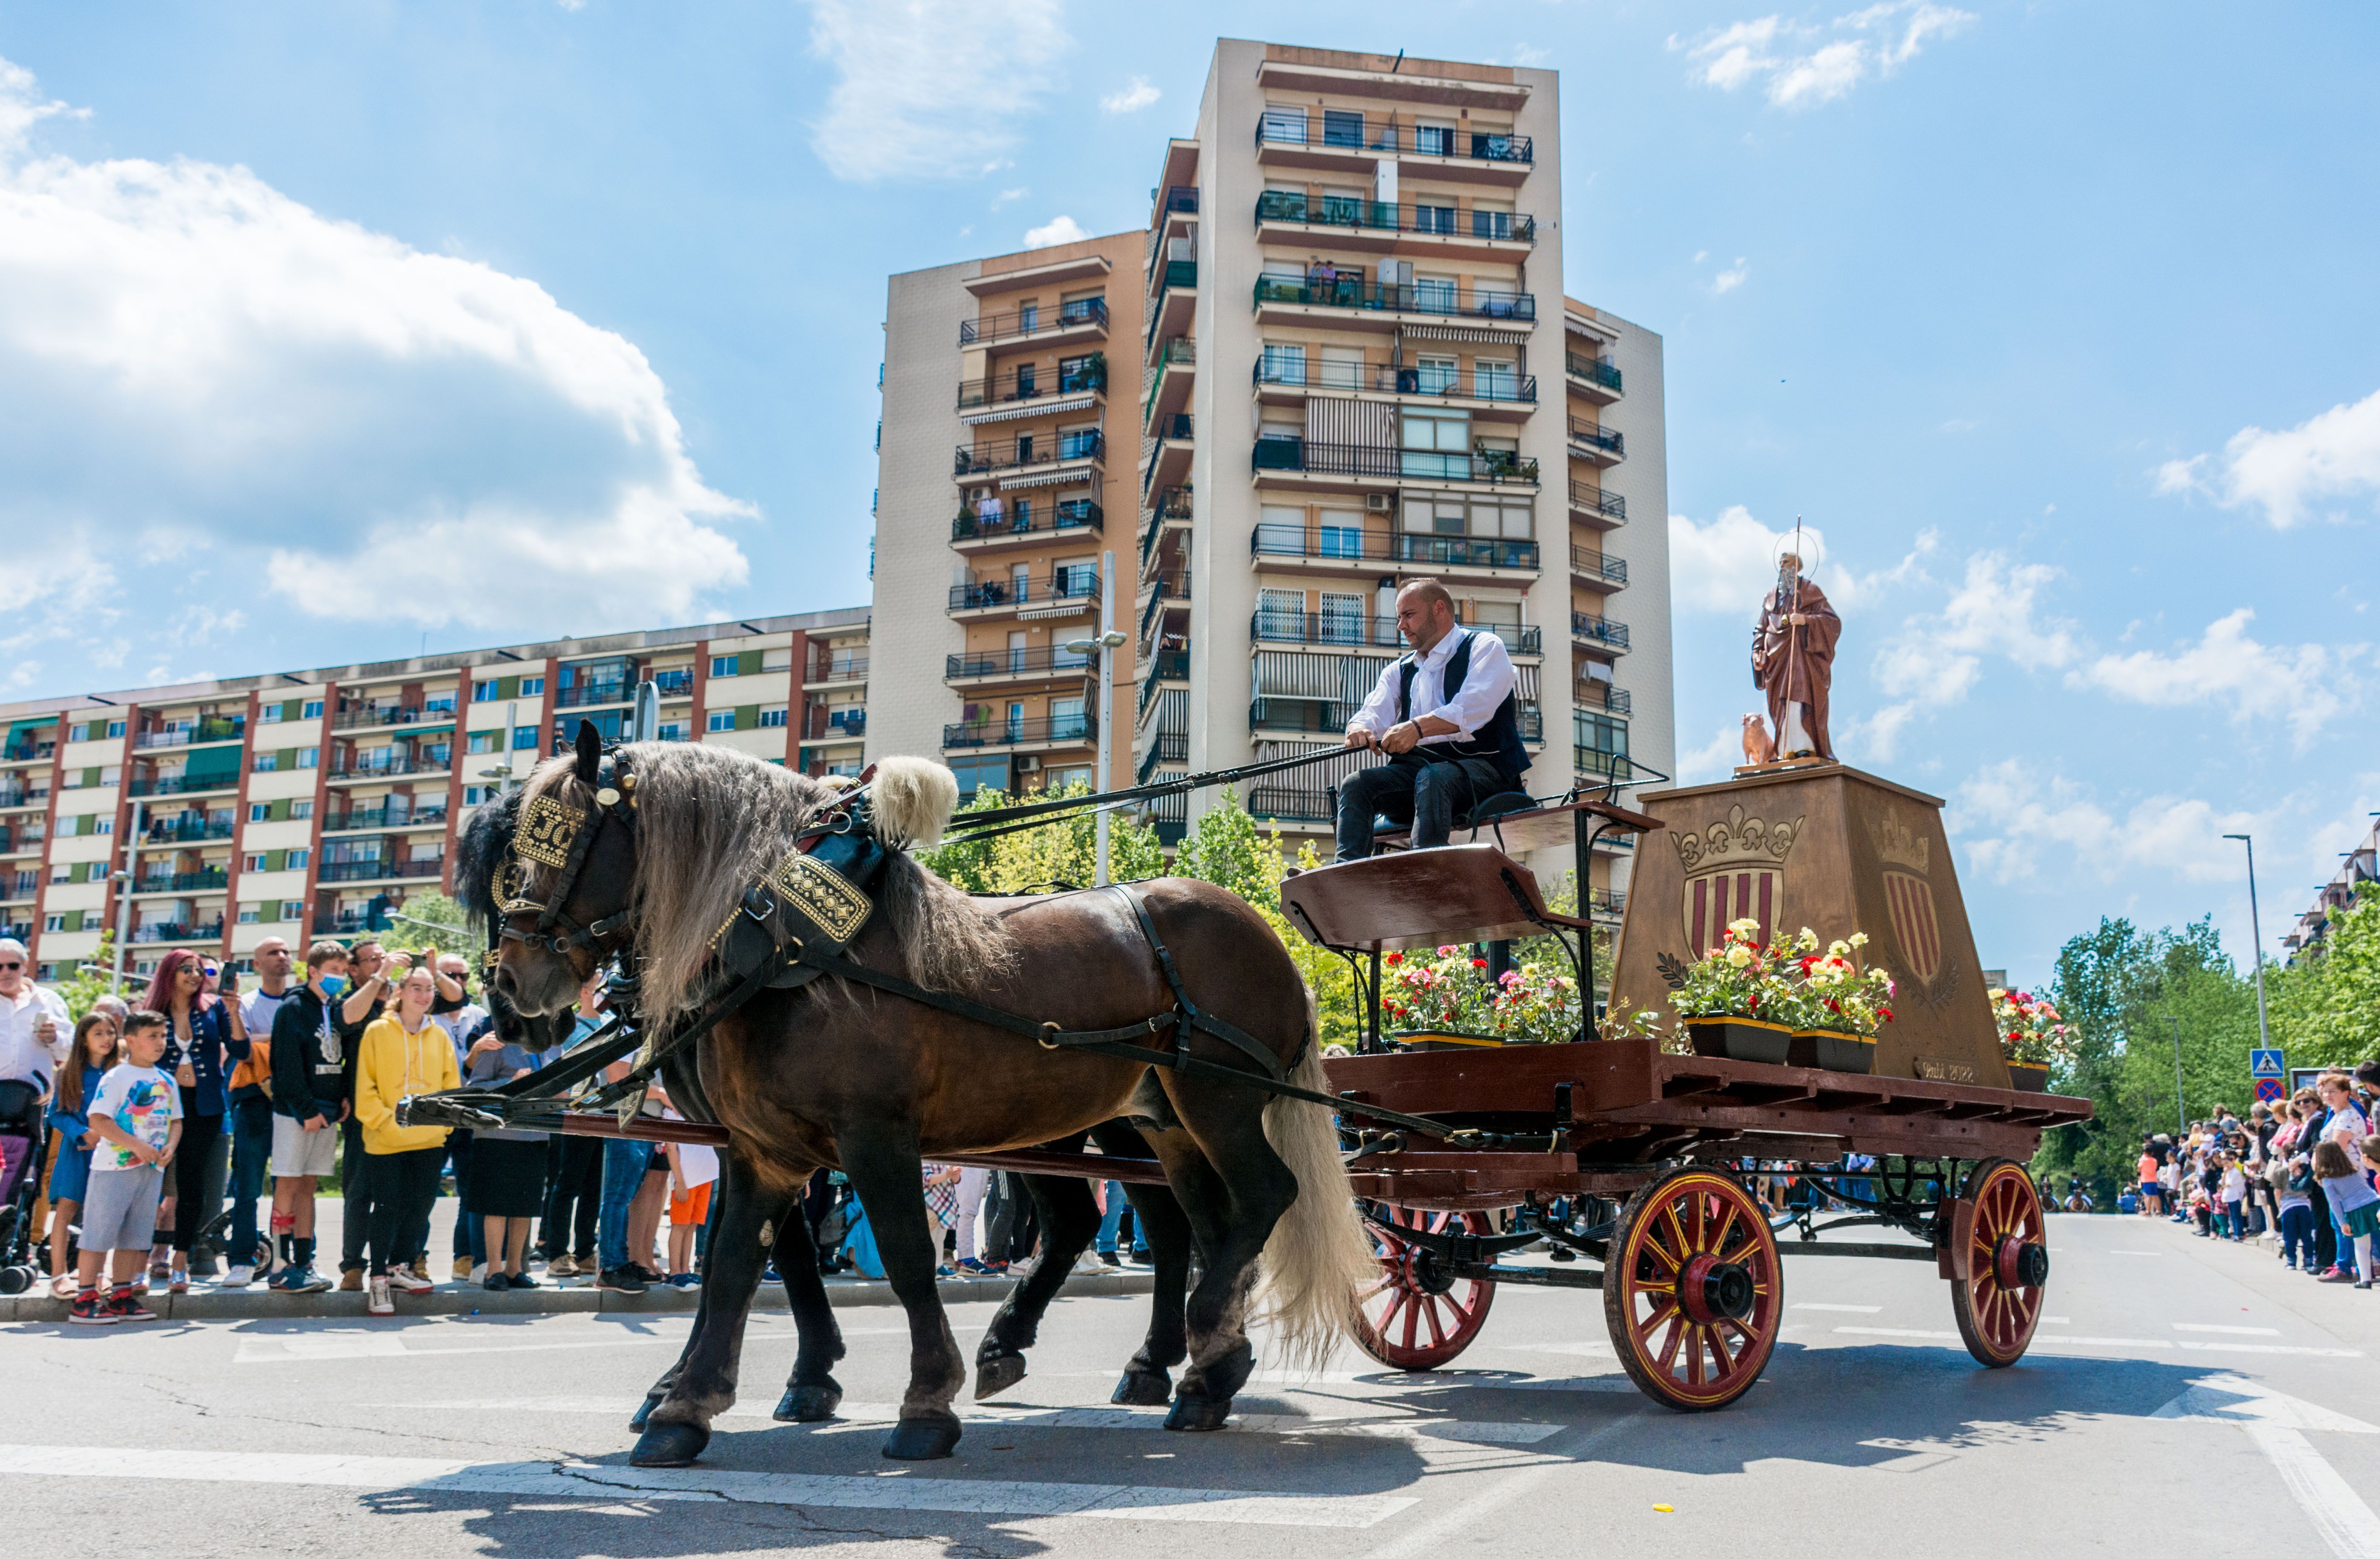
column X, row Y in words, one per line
column 1746, row 925
column 1739, row 956
column 1838, row 947
column 1858, row 939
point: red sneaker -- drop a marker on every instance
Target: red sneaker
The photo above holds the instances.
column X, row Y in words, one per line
column 89, row 1310
column 126, row 1305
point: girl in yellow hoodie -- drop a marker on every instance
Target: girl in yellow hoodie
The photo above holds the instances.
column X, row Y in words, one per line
column 403, row 1052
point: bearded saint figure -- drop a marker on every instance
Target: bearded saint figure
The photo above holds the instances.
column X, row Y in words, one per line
column 1793, row 660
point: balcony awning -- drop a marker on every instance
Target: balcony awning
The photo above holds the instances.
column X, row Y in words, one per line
column 1046, row 479
column 1479, row 333
column 1079, row 402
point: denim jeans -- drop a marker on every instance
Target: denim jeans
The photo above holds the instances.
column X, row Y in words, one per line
column 1428, row 793
column 2297, row 1231
column 1108, row 1224
column 624, row 1172
column 252, row 1147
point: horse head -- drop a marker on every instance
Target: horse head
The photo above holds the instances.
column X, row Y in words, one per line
column 559, row 896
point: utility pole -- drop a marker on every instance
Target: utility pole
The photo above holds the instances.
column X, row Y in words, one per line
column 2264, row 1029
column 2180, row 1126
column 124, row 897
column 1101, row 652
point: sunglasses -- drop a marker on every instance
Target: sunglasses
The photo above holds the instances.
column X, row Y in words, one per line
column 14, row 966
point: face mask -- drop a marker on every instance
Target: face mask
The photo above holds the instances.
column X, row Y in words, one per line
column 334, row 983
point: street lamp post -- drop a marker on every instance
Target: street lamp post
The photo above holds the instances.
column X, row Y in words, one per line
column 1100, row 651
column 2180, row 1128
column 2264, row 1029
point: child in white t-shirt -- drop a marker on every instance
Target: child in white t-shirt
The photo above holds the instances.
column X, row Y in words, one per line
column 137, row 1114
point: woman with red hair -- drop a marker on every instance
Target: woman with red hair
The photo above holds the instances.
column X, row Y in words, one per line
column 201, row 1048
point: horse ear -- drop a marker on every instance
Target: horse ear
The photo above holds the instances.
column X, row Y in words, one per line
column 591, row 752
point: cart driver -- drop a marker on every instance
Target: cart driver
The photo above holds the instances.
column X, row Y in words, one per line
column 1445, row 716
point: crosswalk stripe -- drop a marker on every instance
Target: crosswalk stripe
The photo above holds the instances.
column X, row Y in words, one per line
column 582, row 1481
column 2154, row 1345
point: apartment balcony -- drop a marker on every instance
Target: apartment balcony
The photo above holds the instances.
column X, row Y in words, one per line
column 211, row 728
column 360, row 819
column 1168, row 816
column 1315, row 463
column 1594, row 632
column 1168, row 509
column 1595, row 378
column 1603, row 765
column 180, row 931
column 991, row 667
column 1596, row 569
column 27, row 750
column 1168, row 461
column 1291, row 803
column 1085, row 319
column 1592, row 503
column 1294, row 716
column 1283, row 378
column 1022, row 523
column 1065, row 593
column 1168, row 588
column 848, row 724
column 1333, row 631
column 391, row 715
column 393, row 768
column 1347, row 301
column 1593, row 692
column 1352, row 143
column 212, row 879
column 587, row 695
column 1034, row 461
column 175, row 785
column 674, row 684
column 1166, row 668
column 1166, row 747
column 180, row 831
column 1428, row 232
column 20, row 931
column 1024, row 391
column 1349, row 551
column 1602, row 446
column 834, row 672
column 1174, row 305
column 24, row 795
column 1039, row 733
column 1170, row 378
column 378, row 870
column 21, row 841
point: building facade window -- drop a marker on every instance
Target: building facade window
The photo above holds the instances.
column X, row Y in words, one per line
column 483, row 691
column 772, row 716
column 532, row 688
column 114, row 729
column 720, row 720
column 313, row 710
column 296, row 859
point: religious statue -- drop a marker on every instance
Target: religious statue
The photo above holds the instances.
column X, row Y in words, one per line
column 1793, row 661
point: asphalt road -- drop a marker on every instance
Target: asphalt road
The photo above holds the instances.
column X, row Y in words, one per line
column 2183, row 1394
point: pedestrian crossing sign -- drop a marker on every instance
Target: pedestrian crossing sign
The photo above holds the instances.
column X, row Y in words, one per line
column 2264, row 1063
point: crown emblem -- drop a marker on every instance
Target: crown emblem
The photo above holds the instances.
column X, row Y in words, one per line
column 1737, row 840
column 1901, row 845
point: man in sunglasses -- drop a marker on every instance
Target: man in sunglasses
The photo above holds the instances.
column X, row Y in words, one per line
column 34, row 1035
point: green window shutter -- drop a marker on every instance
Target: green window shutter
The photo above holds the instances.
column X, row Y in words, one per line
column 508, row 688
column 747, row 716
column 747, row 664
column 91, row 776
column 74, row 919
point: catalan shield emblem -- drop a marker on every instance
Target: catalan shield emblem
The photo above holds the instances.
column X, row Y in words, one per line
column 1732, row 893
column 1910, row 899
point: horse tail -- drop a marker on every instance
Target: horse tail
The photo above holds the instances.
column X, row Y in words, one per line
column 1319, row 1257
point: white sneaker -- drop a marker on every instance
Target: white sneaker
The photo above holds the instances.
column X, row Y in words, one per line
column 408, row 1281
column 376, row 1299
column 239, row 1277
column 1088, row 1264
column 478, row 1278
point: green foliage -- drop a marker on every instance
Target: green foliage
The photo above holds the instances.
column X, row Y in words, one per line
column 1063, row 851
column 2127, row 993
column 428, row 919
column 82, row 989
column 2326, row 1009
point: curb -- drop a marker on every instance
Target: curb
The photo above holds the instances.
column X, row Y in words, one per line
column 261, row 1304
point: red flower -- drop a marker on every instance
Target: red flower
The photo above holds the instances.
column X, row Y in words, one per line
column 1479, row 963
column 1394, row 958
column 1884, row 1013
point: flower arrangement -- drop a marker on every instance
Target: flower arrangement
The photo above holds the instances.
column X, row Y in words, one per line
column 1794, row 982
column 2032, row 1033
column 1450, row 993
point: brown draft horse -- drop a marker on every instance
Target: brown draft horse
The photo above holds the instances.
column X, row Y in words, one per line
column 840, row 1075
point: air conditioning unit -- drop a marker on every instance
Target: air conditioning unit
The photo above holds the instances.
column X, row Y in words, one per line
column 1379, row 502
column 1028, row 765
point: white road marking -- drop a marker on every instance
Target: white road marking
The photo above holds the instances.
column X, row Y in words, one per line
column 2113, row 1252
column 580, row 1481
column 2235, row 1399
column 2338, row 1512
column 2157, row 1344
column 312, row 1347
column 2235, row 1331
column 1846, row 1309
column 1892, row 1332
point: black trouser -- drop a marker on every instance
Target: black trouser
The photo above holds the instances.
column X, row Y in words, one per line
column 574, row 1196
column 191, row 1212
column 458, row 1149
column 356, row 1193
column 1427, row 794
column 404, row 1188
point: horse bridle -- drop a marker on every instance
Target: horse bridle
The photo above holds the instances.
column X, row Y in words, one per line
column 552, row 832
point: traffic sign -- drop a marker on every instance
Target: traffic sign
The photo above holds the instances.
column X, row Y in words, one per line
column 2270, row 1090
column 2265, row 1063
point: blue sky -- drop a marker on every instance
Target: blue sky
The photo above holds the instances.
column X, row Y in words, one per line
column 328, row 331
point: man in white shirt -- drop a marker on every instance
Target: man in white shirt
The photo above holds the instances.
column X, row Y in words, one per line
column 35, row 1034
column 251, row 1108
column 1445, row 716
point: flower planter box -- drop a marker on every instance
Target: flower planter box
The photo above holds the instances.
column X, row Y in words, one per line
column 2028, row 1079
column 1444, row 1039
column 1832, row 1052
column 1740, row 1038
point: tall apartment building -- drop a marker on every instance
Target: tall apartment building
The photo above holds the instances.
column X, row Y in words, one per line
column 1347, row 361
column 2356, row 868
column 214, row 814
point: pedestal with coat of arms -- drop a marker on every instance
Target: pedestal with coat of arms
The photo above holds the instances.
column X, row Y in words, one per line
column 1823, row 845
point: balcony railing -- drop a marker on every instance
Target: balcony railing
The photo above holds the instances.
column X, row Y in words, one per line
column 1004, row 454
column 378, row 871
column 1029, row 518
column 205, row 730
column 1588, row 435
column 840, row 725
column 177, row 784
column 177, row 931
column 1013, row 662
column 393, row 768
column 674, row 684
column 1166, row 665
column 1177, row 426
column 361, row 818
column 1035, row 322
column 181, row 882
column 1388, row 216
column 1354, row 132
column 584, row 693
column 1357, row 545
column 1595, row 761
column 1183, row 198
column 1598, row 566
column 842, row 668
column 1595, row 500
column 1166, row 585
column 1592, row 630
column 1593, row 693
column 1291, row 803
column 1337, row 630
column 393, row 714
column 1595, row 371
column 26, row 751
column 1020, row 732
column 1441, row 300
column 1177, row 274
column 1065, row 584
column 1025, row 384
column 1391, row 378
column 1300, row 716
column 1381, row 462
column 1171, row 746
column 182, row 833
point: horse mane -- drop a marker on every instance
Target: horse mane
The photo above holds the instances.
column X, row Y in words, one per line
column 712, row 821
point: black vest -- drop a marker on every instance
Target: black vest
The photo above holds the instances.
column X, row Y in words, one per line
column 1498, row 741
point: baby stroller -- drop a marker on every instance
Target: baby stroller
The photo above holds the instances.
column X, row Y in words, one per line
column 20, row 1115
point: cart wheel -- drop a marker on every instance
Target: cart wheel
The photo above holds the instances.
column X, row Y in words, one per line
column 2008, row 1252
column 1416, row 1317
column 1693, row 1294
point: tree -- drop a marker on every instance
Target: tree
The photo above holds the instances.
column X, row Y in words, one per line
column 1064, row 852
column 428, row 920
column 91, row 977
column 2326, row 1009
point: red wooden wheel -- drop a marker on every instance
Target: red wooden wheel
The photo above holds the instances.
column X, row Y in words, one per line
column 1692, row 1291
column 1416, row 1317
column 2008, row 1265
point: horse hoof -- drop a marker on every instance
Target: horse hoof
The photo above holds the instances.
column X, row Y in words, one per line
column 644, row 1412
column 1143, row 1388
column 922, row 1440
column 669, row 1446
column 997, row 1373
column 1197, row 1414
column 808, row 1405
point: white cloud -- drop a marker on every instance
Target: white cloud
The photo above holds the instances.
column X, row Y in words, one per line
column 1801, row 71
column 930, row 89
column 22, row 106
column 2334, row 457
column 1006, row 196
column 1937, row 658
column 2309, row 685
column 1730, row 564
column 1057, row 230
column 1136, row 96
column 1718, row 759
column 2012, row 820
column 1727, row 281
column 192, row 365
